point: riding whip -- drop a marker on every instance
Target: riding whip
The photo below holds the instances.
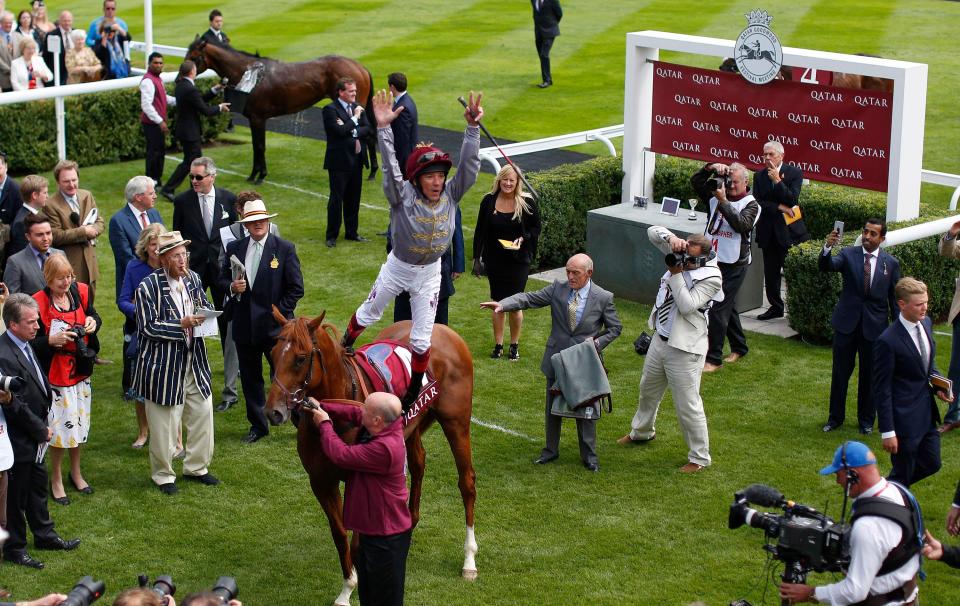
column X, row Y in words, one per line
column 516, row 169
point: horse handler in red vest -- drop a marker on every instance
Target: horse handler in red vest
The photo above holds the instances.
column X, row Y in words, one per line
column 375, row 500
column 423, row 210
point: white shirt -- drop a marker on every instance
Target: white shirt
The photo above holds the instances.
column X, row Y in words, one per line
column 147, row 90
column 582, row 302
column 30, row 208
column 871, row 539
column 136, row 213
column 912, row 331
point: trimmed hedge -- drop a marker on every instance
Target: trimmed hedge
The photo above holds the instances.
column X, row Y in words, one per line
column 101, row 128
column 567, row 192
column 812, row 295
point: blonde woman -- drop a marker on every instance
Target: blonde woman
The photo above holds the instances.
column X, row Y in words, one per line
column 68, row 358
column 28, row 70
column 505, row 241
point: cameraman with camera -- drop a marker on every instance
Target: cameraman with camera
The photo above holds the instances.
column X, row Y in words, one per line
column 691, row 284
column 733, row 213
column 884, row 538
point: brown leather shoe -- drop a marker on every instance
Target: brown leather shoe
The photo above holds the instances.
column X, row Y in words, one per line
column 691, row 467
column 733, row 357
column 628, row 441
column 708, row 367
column 947, row 427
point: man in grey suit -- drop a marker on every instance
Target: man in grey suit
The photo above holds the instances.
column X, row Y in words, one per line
column 580, row 309
column 24, row 272
column 675, row 358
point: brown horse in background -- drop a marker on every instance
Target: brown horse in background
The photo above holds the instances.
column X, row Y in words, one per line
column 309, row 362
column 285, row 88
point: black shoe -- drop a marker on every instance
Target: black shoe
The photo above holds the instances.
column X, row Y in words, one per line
column 830, row 427
column 357, row 238
column 544, row 459
column 594, row 467
column 85, row 490
column 225, row 406
column 866, row 430
column 23, row 559
column 514, row 352
column 331, row 243
column 770, row 314
column 207, row 479
column 169, row 488
column 166, row 193
column 251, row 437
column 58, row 544
column 497, row 352
column 383, row 233
column 545, row 85
column 64, row 500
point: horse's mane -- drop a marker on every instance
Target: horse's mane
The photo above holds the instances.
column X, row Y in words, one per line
column 251, row 55
column 301, row 333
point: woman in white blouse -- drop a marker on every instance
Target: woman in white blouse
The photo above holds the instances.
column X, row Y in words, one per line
column 29, row 67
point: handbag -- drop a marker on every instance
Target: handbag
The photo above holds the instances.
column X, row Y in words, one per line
column 479, row 267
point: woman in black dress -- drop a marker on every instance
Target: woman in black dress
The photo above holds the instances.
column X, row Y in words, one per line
column 507, row 215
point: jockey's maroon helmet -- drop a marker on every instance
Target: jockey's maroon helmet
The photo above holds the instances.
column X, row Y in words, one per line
column 426, row 159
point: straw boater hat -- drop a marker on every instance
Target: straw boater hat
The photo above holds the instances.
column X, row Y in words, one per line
column 170, row 240
column 255, row 210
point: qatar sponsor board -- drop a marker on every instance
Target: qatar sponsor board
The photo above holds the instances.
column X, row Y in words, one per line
column 833, row 134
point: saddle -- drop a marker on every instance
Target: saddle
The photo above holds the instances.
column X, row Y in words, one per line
column 386, row 364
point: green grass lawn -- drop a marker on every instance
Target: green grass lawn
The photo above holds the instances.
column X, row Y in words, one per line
column 638, row 532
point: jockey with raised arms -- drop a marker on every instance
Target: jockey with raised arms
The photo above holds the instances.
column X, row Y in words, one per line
column 423, row 206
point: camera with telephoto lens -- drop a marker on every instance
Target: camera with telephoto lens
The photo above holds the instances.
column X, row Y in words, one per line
column 11, row 383
column 806, row 539
column 226, row 589
column 85, row 592
column 163, row 586
column 82, row 350
column 719, row 182
column 684, row 260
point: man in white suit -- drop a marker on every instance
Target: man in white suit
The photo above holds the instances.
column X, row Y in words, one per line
column 679, row 345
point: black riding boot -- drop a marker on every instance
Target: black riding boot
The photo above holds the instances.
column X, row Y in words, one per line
column 413, row 391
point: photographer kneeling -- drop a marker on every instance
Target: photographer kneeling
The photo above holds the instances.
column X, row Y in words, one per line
column 691, row 284
column 884, row 555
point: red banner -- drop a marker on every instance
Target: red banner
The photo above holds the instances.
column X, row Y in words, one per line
column 838, row 135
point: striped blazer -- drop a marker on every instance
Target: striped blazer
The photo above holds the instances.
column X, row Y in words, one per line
column 160, row 368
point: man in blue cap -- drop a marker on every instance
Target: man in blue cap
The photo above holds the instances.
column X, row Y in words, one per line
column 884, row 554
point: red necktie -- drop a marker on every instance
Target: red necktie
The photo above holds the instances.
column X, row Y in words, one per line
column 143, row 219
column 866, row 274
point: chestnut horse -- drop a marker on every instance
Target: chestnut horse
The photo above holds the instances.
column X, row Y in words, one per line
column 308, row 361
column 285, row 88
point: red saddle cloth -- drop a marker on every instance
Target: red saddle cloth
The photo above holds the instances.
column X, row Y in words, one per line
column 387, row 365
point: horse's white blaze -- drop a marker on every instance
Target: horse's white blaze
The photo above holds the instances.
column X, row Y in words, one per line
column 469, row 555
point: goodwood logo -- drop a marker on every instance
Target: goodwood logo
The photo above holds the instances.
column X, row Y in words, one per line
column 758, row 52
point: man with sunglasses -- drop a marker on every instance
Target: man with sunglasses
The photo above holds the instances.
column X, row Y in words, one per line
column 866, row 305
column 423, row 210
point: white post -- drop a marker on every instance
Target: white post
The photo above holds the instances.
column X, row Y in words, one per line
column 54, row 46
column 147, row 30
column 637, row 132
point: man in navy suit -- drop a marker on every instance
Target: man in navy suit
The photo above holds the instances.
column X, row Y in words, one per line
column 125, row 227
column 26, row 413
column 126, row 223
column 188, row 130
column 271, row 277
column 10, row 200
column 347, row 128
column 546, row 27
column 904, row 359
column 776, row 187
column 405, row 127
column 866, row 302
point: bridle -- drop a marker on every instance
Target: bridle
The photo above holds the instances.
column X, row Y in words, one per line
column 296, row 399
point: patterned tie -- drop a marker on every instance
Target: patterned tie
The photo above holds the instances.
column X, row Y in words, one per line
column 866, row 273
column 255, row 262
column 572, row 310
column 664, row 312
column 207, row 212
column 143, row 219
column 27, row 351
column 923, row 347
